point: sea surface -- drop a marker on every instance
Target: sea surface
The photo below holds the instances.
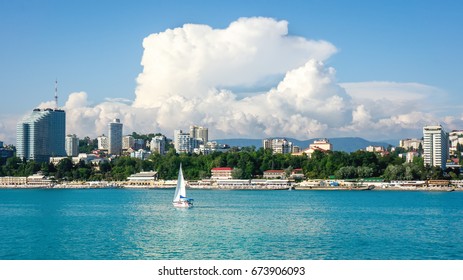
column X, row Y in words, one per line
column 113, row 224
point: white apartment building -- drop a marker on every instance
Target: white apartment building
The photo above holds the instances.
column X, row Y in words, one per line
column 374, row 149
column 323, row 144
column 436, row 148
column 128, row 142
column 413, row 144
column 115, row 137
column 72, row 145
column 158, row 144
column 103, row 142
column 182, row 142
column 199, row 133
column 455, row 138
column 278, row 145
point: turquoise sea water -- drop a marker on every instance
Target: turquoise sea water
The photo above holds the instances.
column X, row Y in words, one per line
column 142, row 224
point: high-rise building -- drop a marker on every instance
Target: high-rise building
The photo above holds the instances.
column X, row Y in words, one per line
column 435, row 146
column 182, row 142
column 41, row 135
column 115, row 137
column 200, row 133
column 72, row 145
column 127, row 142
column 158, row 144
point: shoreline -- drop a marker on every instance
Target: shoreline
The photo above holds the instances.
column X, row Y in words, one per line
column 263, row 188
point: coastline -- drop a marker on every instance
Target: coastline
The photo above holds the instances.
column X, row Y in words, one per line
column 120, row 185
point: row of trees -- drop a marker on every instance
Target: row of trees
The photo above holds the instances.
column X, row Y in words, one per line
column 247, row 162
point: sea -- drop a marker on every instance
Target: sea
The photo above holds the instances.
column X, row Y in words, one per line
column 141, row 224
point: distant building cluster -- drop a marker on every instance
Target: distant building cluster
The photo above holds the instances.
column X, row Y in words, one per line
column 41, row 136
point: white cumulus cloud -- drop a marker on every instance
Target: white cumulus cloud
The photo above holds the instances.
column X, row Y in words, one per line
column 253, row 79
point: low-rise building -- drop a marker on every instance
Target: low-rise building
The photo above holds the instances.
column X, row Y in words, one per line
column 274, row 174
column 143, row 178
column 221, row 173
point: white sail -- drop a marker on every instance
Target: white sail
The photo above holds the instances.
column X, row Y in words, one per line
column 180, row 190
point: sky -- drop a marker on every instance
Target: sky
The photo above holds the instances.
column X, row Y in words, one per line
column 244, row 69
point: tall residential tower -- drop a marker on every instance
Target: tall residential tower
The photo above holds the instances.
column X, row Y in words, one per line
column 115, row 137
column 41, row 135
column 435, row 146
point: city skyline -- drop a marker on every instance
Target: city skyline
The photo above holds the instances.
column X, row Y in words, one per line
column 304, row 69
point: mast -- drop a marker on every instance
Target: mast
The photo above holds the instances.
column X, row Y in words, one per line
column 56, row 94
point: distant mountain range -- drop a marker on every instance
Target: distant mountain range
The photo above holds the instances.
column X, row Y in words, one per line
column 345, row 144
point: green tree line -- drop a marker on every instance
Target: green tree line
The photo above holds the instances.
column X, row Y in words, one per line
column 247, row 162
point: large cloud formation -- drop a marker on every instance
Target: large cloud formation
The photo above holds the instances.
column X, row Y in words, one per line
column 253, row 79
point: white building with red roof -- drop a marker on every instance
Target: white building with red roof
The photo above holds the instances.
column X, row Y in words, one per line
column 221, row 173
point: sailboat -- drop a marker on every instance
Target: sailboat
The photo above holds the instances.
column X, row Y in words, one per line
column 180, row 199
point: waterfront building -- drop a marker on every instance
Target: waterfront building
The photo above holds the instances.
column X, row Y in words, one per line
column 103, row 142
column 182, row 142
column 221, row 173
column 128, row 142
column 72, row 145
column 41, row 135
column 143, row 178
column 274, row 174
column 435, row 147
column 158, row 144
column 115, row 137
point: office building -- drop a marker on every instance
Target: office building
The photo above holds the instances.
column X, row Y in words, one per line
column 115, row 137
column 41, row 135
column 435, row 146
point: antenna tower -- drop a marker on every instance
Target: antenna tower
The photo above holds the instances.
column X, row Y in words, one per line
column 56, row 93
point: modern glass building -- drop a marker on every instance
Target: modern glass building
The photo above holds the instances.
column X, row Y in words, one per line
column 41, row 135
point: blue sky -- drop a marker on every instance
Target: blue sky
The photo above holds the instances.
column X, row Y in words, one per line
column 96, row 47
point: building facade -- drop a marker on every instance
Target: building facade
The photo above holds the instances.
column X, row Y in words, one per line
column 411, row 144
column 182, row 142
column 199, row 133
column 41, row 135
column 115, row 137
column 72, row 145
column 435, row 146
column 158, row 144
column 103, row 142
column 128, row 142
column 278, row 145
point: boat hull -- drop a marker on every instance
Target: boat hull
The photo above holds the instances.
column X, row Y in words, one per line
column 182, row 204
